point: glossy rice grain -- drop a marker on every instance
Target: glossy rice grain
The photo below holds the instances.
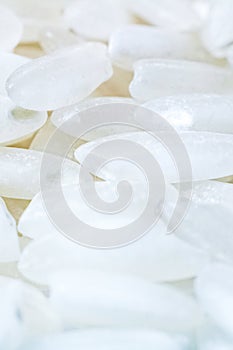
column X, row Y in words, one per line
column 20, row 172
column 71, row 114
column 159, row 78
column 214, row 289
column 106, row 339
column 200, row 147
column 196, row 112
column 60, row 79
column 132, row 43
column 208, row 223
column 17, row 123
column 11, row 29
column 56, row 38
column 150, row 257
column 119, row 301
column 27, row 312
column 96, row 20
column 217, row 30
column 179, row 14
column 9, row 243
column 9, row 62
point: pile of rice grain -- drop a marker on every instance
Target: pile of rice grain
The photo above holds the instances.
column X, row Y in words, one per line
column 58, row 60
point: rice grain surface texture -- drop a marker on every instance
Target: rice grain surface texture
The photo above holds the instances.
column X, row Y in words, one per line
column 116, row 174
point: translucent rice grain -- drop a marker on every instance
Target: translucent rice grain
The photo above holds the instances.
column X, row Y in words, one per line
column 214, row 289
column 200, row 147
column 119, row 301
column 20, row 173
column 36, row 15
column 36, row 9
column 196, row 112
column 26, row 307
column 61, row 116
column 42, row 137
column 178, row 14
column 229, row 55
column 9, row 62
column 34, row 26
column 107, row 191
column 132, row 43
column 193, row 112
column 160, row 292
column 202, row 7
column 96, row 19
column 208, row 224
column 217, row 32
column 17, row 123
column 158, row 78
column 9, row 244
column 106, row 339
column 9, row 269
column 11, row 29
column 55, row 38
column 12, row 332
column 74, row 73
column 151, row 257
column 211, row 337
